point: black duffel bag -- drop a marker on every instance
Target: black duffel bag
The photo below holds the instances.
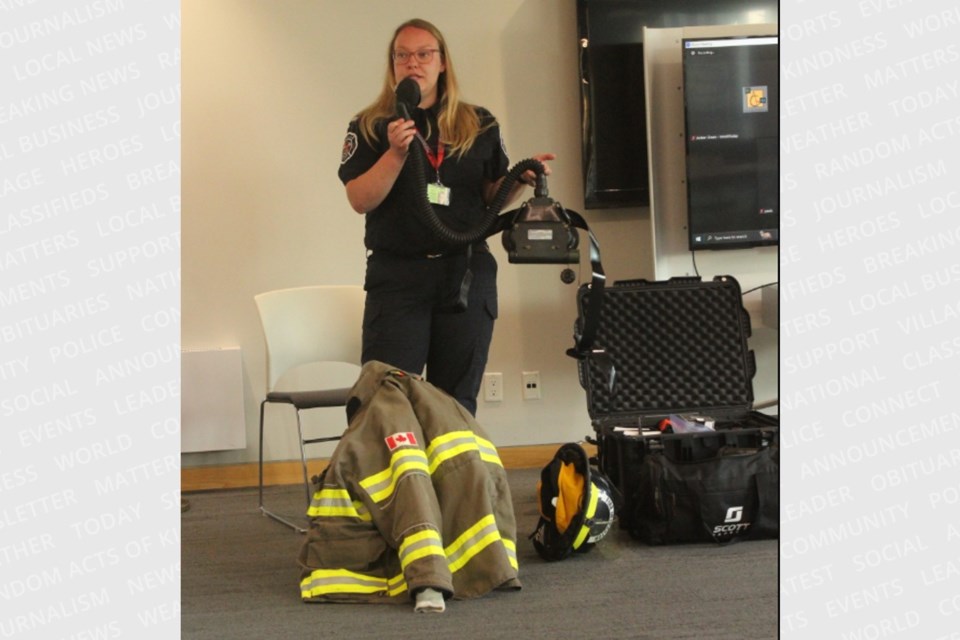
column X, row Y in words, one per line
column 732, row 496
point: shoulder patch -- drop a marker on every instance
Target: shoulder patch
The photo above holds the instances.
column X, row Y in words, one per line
column 503, row 145
column 401, row 439
column 349, row 147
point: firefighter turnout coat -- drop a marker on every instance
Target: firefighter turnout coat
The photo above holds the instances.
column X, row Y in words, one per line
column 414, row 496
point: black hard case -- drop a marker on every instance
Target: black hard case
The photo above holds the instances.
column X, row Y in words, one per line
column 677, row 346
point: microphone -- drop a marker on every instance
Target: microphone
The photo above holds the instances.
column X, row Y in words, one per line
column 408, row 97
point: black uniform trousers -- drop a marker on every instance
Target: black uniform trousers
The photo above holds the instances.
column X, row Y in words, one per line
column 405, row 323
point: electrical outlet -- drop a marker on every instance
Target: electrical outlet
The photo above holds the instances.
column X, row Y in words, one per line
column 493, row 387
column 531, row 385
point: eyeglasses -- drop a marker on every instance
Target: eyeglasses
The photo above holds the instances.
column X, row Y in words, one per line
column 423, row 56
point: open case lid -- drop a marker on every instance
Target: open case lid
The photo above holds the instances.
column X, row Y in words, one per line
column 676, row 346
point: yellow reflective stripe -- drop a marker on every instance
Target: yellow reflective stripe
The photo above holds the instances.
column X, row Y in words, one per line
column 331, row 494
column 416, row 554
column 511, row 548
column 382, row 476
column 325, row 581
column 332, row 502
column 474, row 549
column 464, row 537
column 440, row 448
column 426, row 534
column 594, row 501
column 380, row 486
column 346, row 512
column 451, row 453
column 322, row 582
column 488, row 452
column 419, row 545
column 441, row 440
column 581, row 537
column 471, row 542
column 407, row 467
column 353, row 511
column 396, row 585
column 452, row 444
column 591, row 511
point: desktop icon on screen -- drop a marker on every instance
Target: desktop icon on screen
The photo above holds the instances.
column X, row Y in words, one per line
column 755, row 99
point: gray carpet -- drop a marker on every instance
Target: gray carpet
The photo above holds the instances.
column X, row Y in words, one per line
column 240, row 577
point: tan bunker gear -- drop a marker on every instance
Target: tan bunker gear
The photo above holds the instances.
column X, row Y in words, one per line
column 414, row 496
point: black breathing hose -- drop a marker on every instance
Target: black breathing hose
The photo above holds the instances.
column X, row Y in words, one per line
column 425, row 213
column 414, row 187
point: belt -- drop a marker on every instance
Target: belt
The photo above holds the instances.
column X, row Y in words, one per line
column 479, row 247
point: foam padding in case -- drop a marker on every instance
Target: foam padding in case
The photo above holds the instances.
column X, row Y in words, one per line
column 677, row 345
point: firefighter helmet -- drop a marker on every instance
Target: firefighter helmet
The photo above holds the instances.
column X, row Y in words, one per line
column 576, row 502
column 602, row 519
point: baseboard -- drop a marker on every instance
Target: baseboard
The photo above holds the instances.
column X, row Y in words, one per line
column 240, row 476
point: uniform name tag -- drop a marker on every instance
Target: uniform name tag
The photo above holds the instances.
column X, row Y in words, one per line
column 438, row 194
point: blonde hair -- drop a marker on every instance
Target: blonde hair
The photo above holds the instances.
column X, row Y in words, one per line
column 458, row 121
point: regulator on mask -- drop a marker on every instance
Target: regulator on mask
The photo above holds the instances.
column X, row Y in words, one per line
column 540, row 231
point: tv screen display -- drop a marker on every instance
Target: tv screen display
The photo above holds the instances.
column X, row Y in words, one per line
column 731, row 91
column 612, row 107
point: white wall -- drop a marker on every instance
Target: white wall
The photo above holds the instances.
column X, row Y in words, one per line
column 268, row 89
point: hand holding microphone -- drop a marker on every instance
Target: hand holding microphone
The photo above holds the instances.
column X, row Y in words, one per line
column 401, row 132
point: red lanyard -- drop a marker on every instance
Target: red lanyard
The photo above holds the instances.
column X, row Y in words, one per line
column 435, row 158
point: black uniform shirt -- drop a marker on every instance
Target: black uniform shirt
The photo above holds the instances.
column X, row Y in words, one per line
column 393, row 226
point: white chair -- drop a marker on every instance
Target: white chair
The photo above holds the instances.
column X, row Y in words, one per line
column 304, row 326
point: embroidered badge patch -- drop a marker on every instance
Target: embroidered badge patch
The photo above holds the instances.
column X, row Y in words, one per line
column 400, row 439
column 349, row 147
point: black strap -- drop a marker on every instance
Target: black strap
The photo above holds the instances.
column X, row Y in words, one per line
column 584, row 342
column 583, row 348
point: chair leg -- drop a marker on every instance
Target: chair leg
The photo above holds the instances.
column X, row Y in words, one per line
column 260, row 466
column 303, row 460
column 293, row 525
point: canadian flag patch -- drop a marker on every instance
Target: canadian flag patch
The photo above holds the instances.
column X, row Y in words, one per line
column 400, row 439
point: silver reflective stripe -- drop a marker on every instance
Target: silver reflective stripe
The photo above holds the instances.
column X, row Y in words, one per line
column 475, row 540
column 454, row 443
column 325, row 581
column 488, row 450
column 511, row 550
column 419, row 545
column 380, row 485
column 447, row 447
column 333, row 502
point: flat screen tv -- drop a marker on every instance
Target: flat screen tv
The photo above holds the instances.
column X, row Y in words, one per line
column 613, row 127
column 731, row 98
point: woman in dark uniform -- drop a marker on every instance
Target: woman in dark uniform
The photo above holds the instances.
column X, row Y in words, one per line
column 412, row 276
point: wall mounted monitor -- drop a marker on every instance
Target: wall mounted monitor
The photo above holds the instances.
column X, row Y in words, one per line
column 613, row 127
column 731, row 91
